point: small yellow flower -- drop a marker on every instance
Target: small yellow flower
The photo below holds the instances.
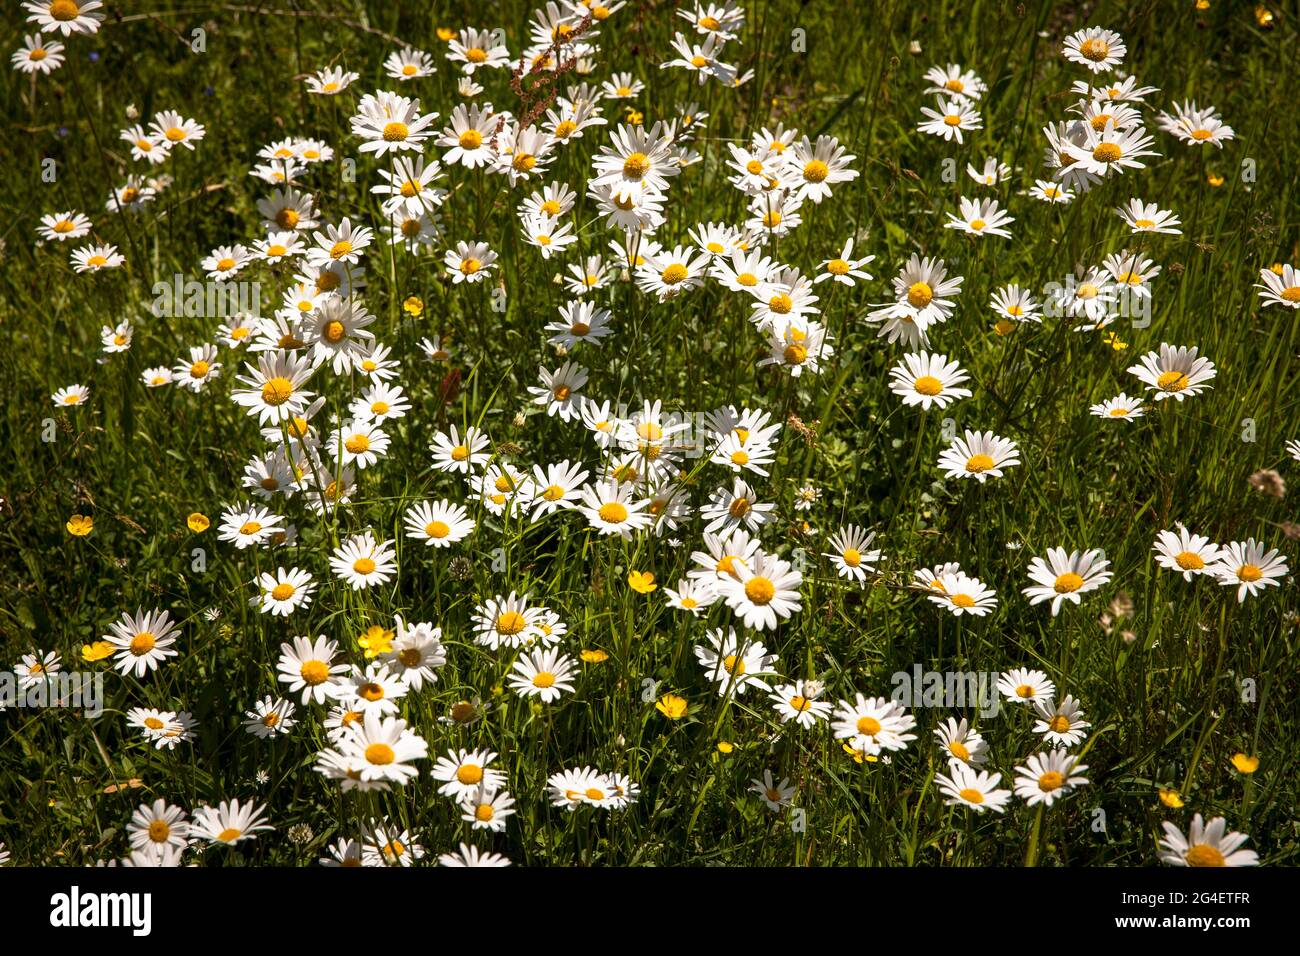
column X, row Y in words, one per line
column 413, row 305
column 1276, row 268
column 1214, row 179
column 446, row 34
column 593, row 655
column 671, row 706
column 1004, row 327
column 1244, row 764
column 1264, row 16
column 198, row 522
column 642, row 582
column 1170, row 798
column 635, row 117
column 80, row 525
column 96, row 652
column 1202, row 4
column 375, row 640
column 1114, row 341
column 859, row 756
column 725, row 746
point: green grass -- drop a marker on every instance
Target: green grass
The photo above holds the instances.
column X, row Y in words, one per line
column 1166, row 704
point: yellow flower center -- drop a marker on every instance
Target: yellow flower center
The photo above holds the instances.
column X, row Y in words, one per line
column 1203, row 855
column 837, row 267
column 229, row 835
column 483, row 812
column 674, row 274
column 159, row 831
column 334, row 331
column 395, row 132
column 1051, row 781
column 919, row 295
column 1095, row 49
column 1107, row 152
column 470, row 266
column 868, row 726
column 815, row 171
column 928, row 385
column 958, row 750
column 962, row 600
column 357, row 444
column 314, row 672
column 277, row 391
column 1291, row 294
column 175, row 134
column 952, row 119
column 469, row 773
column 971, row 795
column 612, row 512
column 1173, row 381
column 1059, row 724
column 1067, row 583
column 760, row 590
column 380, row 754
column 523, row 162
column 283, row 591
column 544, row 679
column 1249, row 573
column 286, row 218
column 460, row 453
column 794, row 354
column 364, row 566
column 143, row 643
column 976, row 464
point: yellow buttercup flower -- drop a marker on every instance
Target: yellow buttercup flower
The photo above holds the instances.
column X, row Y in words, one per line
column 671, row 706
column 593, row 655
column 375, row 640
column 1004, row 327
column 1264, row 16
column 198, row 522
column 635, row 117
column 80, row 525
column 1170, row 798
column 642, row 582
column 725, row 746
column 446, row 34
column 1214, row 179
column 1244, row 764
column 413, row 305
column 1114, row 341
column 97, row 651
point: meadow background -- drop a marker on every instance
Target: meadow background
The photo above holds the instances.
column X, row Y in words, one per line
column 1161, row 683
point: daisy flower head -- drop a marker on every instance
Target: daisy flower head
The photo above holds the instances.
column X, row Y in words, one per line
column 776, row 795
column 282, row 593
column 798, row 703
column 469, row 262
column 1024, row 686
column 980, row 217
column 692, row 595
column 37, row 56
column 269, row 716
column 158, row 825
column 610, row 508
column 851, row 553
column 924, row 379
column 978, row 455
column 307, row 666
column 961, row 743
column 1050, row 192
column 952, row 117
column 142, row 641
column 463, row 455
column 844, row 268
column 362, row 561
column 1280, row 286
column 1060, row 724
column 467, row 855
column 1196, row 127
column 1205, row 845
column 1174, row 372
column 438, row 524
column 229, row 822
column 93, row 258
column 1246, row 566
column 1186, row 553
column 173, row 128
column 991, row 173
column 409, row 64
column 1097, row 48
column 381, row 748
column 1120, row 407
column 1065, row 577
column 873, row 724
column 387, row 846
column 962, row 594
column 71, row 395
column 734, row 663
column 964, row 786
column 388, row 122
column 331, row 81
column 486, row 809
column 544, row 673
column 1046, row 777
column 762, row 593
column 65, row 16
column 507, row 622
column 559, row 390
column 462, row 772
column 951, row 80
column 62, row 226
column 478, row 49
column 815, row 168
